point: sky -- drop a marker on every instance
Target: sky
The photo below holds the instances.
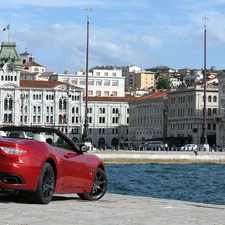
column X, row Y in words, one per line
column 145, row 33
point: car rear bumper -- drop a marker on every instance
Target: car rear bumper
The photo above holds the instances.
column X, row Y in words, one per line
column 18, row 176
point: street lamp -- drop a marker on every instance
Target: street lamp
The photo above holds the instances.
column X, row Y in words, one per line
column 164, row 125
column 203, row 139
column 119, row 115
column 85, row 132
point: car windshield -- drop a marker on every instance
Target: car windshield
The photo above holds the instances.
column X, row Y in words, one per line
column 51, row 136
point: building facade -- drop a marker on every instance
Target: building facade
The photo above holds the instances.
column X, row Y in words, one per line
column 147, row 117
column 185, row 114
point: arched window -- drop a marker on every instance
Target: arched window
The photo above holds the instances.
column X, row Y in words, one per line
column 214, row 99
column 62, row 103
column 209, row 98
column 8, row 103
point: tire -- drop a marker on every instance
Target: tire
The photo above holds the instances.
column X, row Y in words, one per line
column 99, row 187
column 45, row 188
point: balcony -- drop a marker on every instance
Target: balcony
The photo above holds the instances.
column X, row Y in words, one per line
column 219, row 116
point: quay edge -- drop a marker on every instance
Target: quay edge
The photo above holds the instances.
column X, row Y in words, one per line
column 159, row 157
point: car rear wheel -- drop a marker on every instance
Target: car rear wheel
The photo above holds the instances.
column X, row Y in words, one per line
column 45, row 188
column 99, row 187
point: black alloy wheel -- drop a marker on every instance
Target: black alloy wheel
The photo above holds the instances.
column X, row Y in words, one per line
column 99, row 187
column 45, row 188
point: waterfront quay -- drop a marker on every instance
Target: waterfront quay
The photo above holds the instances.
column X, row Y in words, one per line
column 132, row 156
column 117, row 209
column 112, row 209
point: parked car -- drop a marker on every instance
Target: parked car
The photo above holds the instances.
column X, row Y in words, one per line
column 152, row 145
column 217, row 148
column 40, row 162
column 189, row 147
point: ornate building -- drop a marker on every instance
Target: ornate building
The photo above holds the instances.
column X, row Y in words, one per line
column 35, row 102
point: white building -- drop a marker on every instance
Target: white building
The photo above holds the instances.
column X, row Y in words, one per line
column 129, row 73
column 34, row 102
column 102, row 81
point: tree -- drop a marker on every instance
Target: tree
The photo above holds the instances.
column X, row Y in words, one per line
column 163, row 82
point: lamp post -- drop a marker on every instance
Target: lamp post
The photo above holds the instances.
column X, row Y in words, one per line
column 85, row 132
column 164, row 125
column 119, row 116
column 22, row 97
column 203, row 140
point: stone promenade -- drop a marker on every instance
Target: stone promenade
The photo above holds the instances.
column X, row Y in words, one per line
column 112, row 209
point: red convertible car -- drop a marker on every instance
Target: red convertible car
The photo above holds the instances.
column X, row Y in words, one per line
column 40, row 162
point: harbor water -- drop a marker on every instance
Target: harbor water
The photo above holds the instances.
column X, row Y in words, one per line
column 203, row 183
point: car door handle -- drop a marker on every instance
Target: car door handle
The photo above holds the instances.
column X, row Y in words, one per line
column 69, row 155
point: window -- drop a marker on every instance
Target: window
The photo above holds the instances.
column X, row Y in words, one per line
column 209, row 98
column 214, row 99
column 209, row 111
column 209, row 126
column 114, row 83
column 75, row 131
column 114, row 74
column 82, row 82
column 62, row 103
column 114, row 119
column 97, row 73
column 114, row 93
column 101, row 119
column 98, row 83
column 74, row 82
column 90, row 93
column 98, row 93
column 106, row 74
column 89, row 110
column 91, row 82
column 106, row 83
column 8, row 103
column 101, row 110
column 106, row 93
column 223, row 89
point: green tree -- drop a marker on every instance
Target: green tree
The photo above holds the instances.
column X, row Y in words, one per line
column 163, row 82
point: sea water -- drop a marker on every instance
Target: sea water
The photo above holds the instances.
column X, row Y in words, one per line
column 203, row 183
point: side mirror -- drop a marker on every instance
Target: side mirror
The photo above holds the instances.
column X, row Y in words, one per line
column 84, row 148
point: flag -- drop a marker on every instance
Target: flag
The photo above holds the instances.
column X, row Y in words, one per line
column 6, row 28
column 62, row 116
column 23, row 108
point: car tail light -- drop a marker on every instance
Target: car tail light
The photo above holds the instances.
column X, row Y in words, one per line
column 12, row 150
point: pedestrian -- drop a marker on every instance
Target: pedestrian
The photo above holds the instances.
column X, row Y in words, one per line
column 166, row 147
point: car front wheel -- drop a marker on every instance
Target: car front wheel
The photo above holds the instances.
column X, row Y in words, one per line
column 45, row 188
column 99, row 187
